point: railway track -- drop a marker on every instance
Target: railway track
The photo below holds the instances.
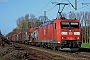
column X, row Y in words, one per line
column 40, row 53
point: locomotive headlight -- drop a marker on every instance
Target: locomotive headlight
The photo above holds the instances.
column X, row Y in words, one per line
column 76, row 33
column 78, row 38
column 64, row 37
column 64, row 33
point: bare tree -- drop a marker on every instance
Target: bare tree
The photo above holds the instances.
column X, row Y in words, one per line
column 32, row 20
column 42, row 18
column 87, row 17
column 18, row 22
column 27, row 17
column 86, row 26
column 89, row 25
column 32, row 16
column 21, row 23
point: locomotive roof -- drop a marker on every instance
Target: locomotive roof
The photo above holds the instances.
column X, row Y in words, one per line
column 62, row 19
column 48, row 22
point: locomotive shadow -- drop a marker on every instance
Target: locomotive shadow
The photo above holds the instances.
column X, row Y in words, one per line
column 84, row 50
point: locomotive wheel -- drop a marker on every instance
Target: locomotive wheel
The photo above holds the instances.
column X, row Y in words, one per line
column 54, row 47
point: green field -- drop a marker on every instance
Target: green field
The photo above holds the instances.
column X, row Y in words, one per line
column 85, row 45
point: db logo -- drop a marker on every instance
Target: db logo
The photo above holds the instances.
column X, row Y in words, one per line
column 70, row 33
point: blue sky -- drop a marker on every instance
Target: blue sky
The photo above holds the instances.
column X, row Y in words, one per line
column 10, row 10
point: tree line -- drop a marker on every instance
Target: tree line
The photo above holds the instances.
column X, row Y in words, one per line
column 27, row 21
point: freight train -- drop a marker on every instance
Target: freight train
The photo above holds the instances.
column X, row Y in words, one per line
column 58, row 34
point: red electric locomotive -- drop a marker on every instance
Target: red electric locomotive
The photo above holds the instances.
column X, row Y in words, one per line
column 61, row 33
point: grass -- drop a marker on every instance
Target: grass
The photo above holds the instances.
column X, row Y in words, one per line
column 85, row 45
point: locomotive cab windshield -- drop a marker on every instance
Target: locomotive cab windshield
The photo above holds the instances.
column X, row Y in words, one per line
column 69, row 25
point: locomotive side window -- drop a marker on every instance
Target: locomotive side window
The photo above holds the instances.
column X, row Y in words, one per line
column 69, row 25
